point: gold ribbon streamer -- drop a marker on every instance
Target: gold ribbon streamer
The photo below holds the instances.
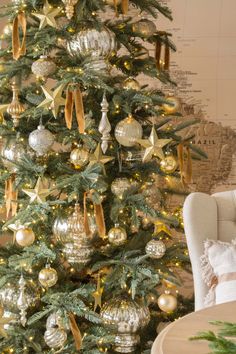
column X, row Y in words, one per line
column 158, row 53
column 10, row 197
column 185, row 166
column 74, row 98
column 125, row 6
column 115, row 6
column 75, row 331
column 99, row 216
column 18, row 48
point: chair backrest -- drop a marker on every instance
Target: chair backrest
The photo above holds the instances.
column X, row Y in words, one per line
column 207, row 217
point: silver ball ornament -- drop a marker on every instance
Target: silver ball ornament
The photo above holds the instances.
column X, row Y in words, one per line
column 41, row 140
column 128, row 131
column 43, row 67
column 12, row 151
column 155, row 249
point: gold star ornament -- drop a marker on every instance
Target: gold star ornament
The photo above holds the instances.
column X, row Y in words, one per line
column 98, row 157
column 53, row 99
column 39, row 193
column 153, row 146
column 47, row 17
column 98, row 294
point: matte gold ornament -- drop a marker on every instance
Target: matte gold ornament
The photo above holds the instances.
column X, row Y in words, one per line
column 131, row 84
column 43, row 67
column 98, row 157
column 144, row 27
column 53, row 99
column 117, row 235
column 48, row 276
column 119, row 186
column 128, row 317
column 15, row 108
column 79, row 157
column 25, row 237
column 47, row 17
column 94, row 44
column 41, row 140
column 174, row 105
column 12, row 152
column 128, row 131
column 39, row 193
column 167, row 302
column 155, row 249
column 69, row 6
column 169, row 164
column 153, row 146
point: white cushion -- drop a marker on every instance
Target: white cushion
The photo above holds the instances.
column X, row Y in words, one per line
column 219, row 271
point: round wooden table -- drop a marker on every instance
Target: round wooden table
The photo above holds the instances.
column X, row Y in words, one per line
column 174, row 339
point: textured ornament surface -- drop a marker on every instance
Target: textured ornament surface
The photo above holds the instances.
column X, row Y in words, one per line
column 169, row 164
column 155, row 249
column 61, row 228
column 128, row 131
column 41, row 140
column 79, row 157
column 55, row 337
column 43, row 67
column 12, row 151
column 117, row 236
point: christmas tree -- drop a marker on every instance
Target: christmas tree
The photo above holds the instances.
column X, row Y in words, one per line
column 83, row 145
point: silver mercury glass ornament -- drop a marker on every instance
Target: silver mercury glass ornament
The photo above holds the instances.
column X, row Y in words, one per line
column 43, row 67
column 55, row 335
column 41, row 140
column 12, row 151
column 69, row 7
column 128, row 316
column 155, row 249
column 104, row 125
column 95, row 46
column 22, row 302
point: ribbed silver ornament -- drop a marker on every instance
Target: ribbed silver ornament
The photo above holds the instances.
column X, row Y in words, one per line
column 43, row 67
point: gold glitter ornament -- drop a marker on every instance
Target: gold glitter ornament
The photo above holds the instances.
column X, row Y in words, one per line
column 128, row 131
column 25, row 237
column 117, row 235
column 48, row 276
column 79, row 157
column 169, row 164
column 167, row 302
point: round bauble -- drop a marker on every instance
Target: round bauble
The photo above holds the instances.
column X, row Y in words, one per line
column 167, row 302
column 128, row 317
column 119, row 186
column 144, row 28
column 96, row 45
column 117, row 235
column 48, row 277
column 174, row 105
column 43, row 67
column 169, row 164
column 131, row 84
column 55, row 337
column 128, row 131
column 12, row 151
column 41, row 140
column 55, row 320
column 155, row 249
column 79, row 157
column 25, row 237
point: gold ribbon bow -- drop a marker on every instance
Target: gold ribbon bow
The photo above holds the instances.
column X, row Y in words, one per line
column 99, row 216
column 74, row 98
column 11, row 196
column 75, row 331
column 185, row 164
column 18, row 48
column 165, row 63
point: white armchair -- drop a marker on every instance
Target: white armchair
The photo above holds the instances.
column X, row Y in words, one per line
column 207, row 217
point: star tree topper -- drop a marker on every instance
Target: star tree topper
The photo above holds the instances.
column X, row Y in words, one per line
column 153, row 146
column 53, row 99
column 39, row 193
column 47, row 17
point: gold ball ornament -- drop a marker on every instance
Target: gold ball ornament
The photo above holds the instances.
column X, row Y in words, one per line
column 25, row 237
column 117, row 236
column 128, row 131
column 174, row 105
column 169, row 164
column 155, row 249
column 79, row 157
column 119, row 186
column 144, row 27
column 167, row 302
column 48, row 277
column 43, row 67
column 131, row 84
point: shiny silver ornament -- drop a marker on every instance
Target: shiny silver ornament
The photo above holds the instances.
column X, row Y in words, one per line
column 69, row 7
column 43, row 67
column 41, row 140
column 119, row 186
column 77, row 246
column 96, row 45
column 104, row 125
column 55, row 337
column 144, row 27
column 22, row 302
column 12, row 151
column 61, row 228
column 128, row 317
column 128, row 131
column 55, row 320
column 155, row 249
